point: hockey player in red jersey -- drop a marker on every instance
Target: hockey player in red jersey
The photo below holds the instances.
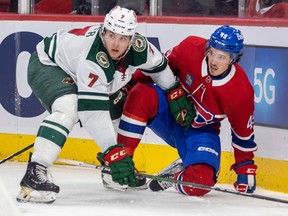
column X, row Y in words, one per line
column 219, row 88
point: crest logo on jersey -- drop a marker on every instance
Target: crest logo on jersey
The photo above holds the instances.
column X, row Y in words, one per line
column 102, row 59
column 189, row 80
column 68, row 80
column 139, row 44
column 208, row 79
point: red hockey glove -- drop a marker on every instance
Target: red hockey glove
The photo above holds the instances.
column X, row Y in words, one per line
column 246, row 181
column 181, row 108
column 121, row 165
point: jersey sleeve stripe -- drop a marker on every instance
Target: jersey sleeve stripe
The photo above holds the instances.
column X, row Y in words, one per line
column 50, row 46
column 244, row 149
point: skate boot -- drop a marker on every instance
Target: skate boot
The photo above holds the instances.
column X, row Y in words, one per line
column 167, row 172
column 37, row 185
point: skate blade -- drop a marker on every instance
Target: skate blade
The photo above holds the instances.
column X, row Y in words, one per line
column 110, row 184
column 28, row 195
column 142, row 187
column 125, row 187
column 115, row 186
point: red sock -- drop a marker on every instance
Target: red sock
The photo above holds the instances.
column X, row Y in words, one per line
column 141, row 106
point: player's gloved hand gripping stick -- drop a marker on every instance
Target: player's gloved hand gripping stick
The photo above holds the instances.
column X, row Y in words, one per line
column 246, row 181
column 180, row 106
column 120, row 163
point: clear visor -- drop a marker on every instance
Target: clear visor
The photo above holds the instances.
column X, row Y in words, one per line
column 218, row 57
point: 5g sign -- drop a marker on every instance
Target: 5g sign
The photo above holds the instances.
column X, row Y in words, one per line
column 265, row 91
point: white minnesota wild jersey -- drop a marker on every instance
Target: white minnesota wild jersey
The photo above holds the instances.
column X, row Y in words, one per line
column 82, row 54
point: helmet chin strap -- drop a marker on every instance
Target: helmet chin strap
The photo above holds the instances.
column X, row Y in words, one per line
column 234, row 57
column 101, row 32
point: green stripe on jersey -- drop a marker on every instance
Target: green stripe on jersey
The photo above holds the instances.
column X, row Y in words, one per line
column 93, row 94
column 89, row 101
column 93, row 105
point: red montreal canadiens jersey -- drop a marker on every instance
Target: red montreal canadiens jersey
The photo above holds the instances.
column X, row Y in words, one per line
column 231, row 96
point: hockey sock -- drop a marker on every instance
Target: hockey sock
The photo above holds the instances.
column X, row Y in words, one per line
column 199, row 174
column 140, row 107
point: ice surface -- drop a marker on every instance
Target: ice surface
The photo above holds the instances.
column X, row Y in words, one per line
column 82, row 194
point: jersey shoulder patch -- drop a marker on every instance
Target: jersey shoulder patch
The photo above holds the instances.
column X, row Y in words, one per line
column 102, row 59
column 140, row 43
column 98, row 56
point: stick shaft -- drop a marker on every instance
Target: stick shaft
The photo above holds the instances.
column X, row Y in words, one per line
column 174, row 181
column 17, row 153
column 205, row 187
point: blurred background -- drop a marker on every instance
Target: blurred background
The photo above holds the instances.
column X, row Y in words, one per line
column 210, row 8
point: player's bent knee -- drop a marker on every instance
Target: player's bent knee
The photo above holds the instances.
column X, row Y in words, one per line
column 199, row 174
column 67, row 104
column 61, row 119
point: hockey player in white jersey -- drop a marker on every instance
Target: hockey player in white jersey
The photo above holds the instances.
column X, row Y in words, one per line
column 74, row 74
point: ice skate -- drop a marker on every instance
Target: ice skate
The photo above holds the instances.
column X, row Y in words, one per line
column 37, row 185
column 167, row 172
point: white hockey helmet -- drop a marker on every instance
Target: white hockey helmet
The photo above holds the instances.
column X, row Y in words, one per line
column 121, row 21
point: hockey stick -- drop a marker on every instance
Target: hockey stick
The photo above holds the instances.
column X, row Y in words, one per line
column 17, row 153
column 174, row 181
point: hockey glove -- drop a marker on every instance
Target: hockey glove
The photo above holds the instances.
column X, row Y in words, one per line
column 121, row 165
column 246, row 181
column 117, row 101
column 180, row 106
